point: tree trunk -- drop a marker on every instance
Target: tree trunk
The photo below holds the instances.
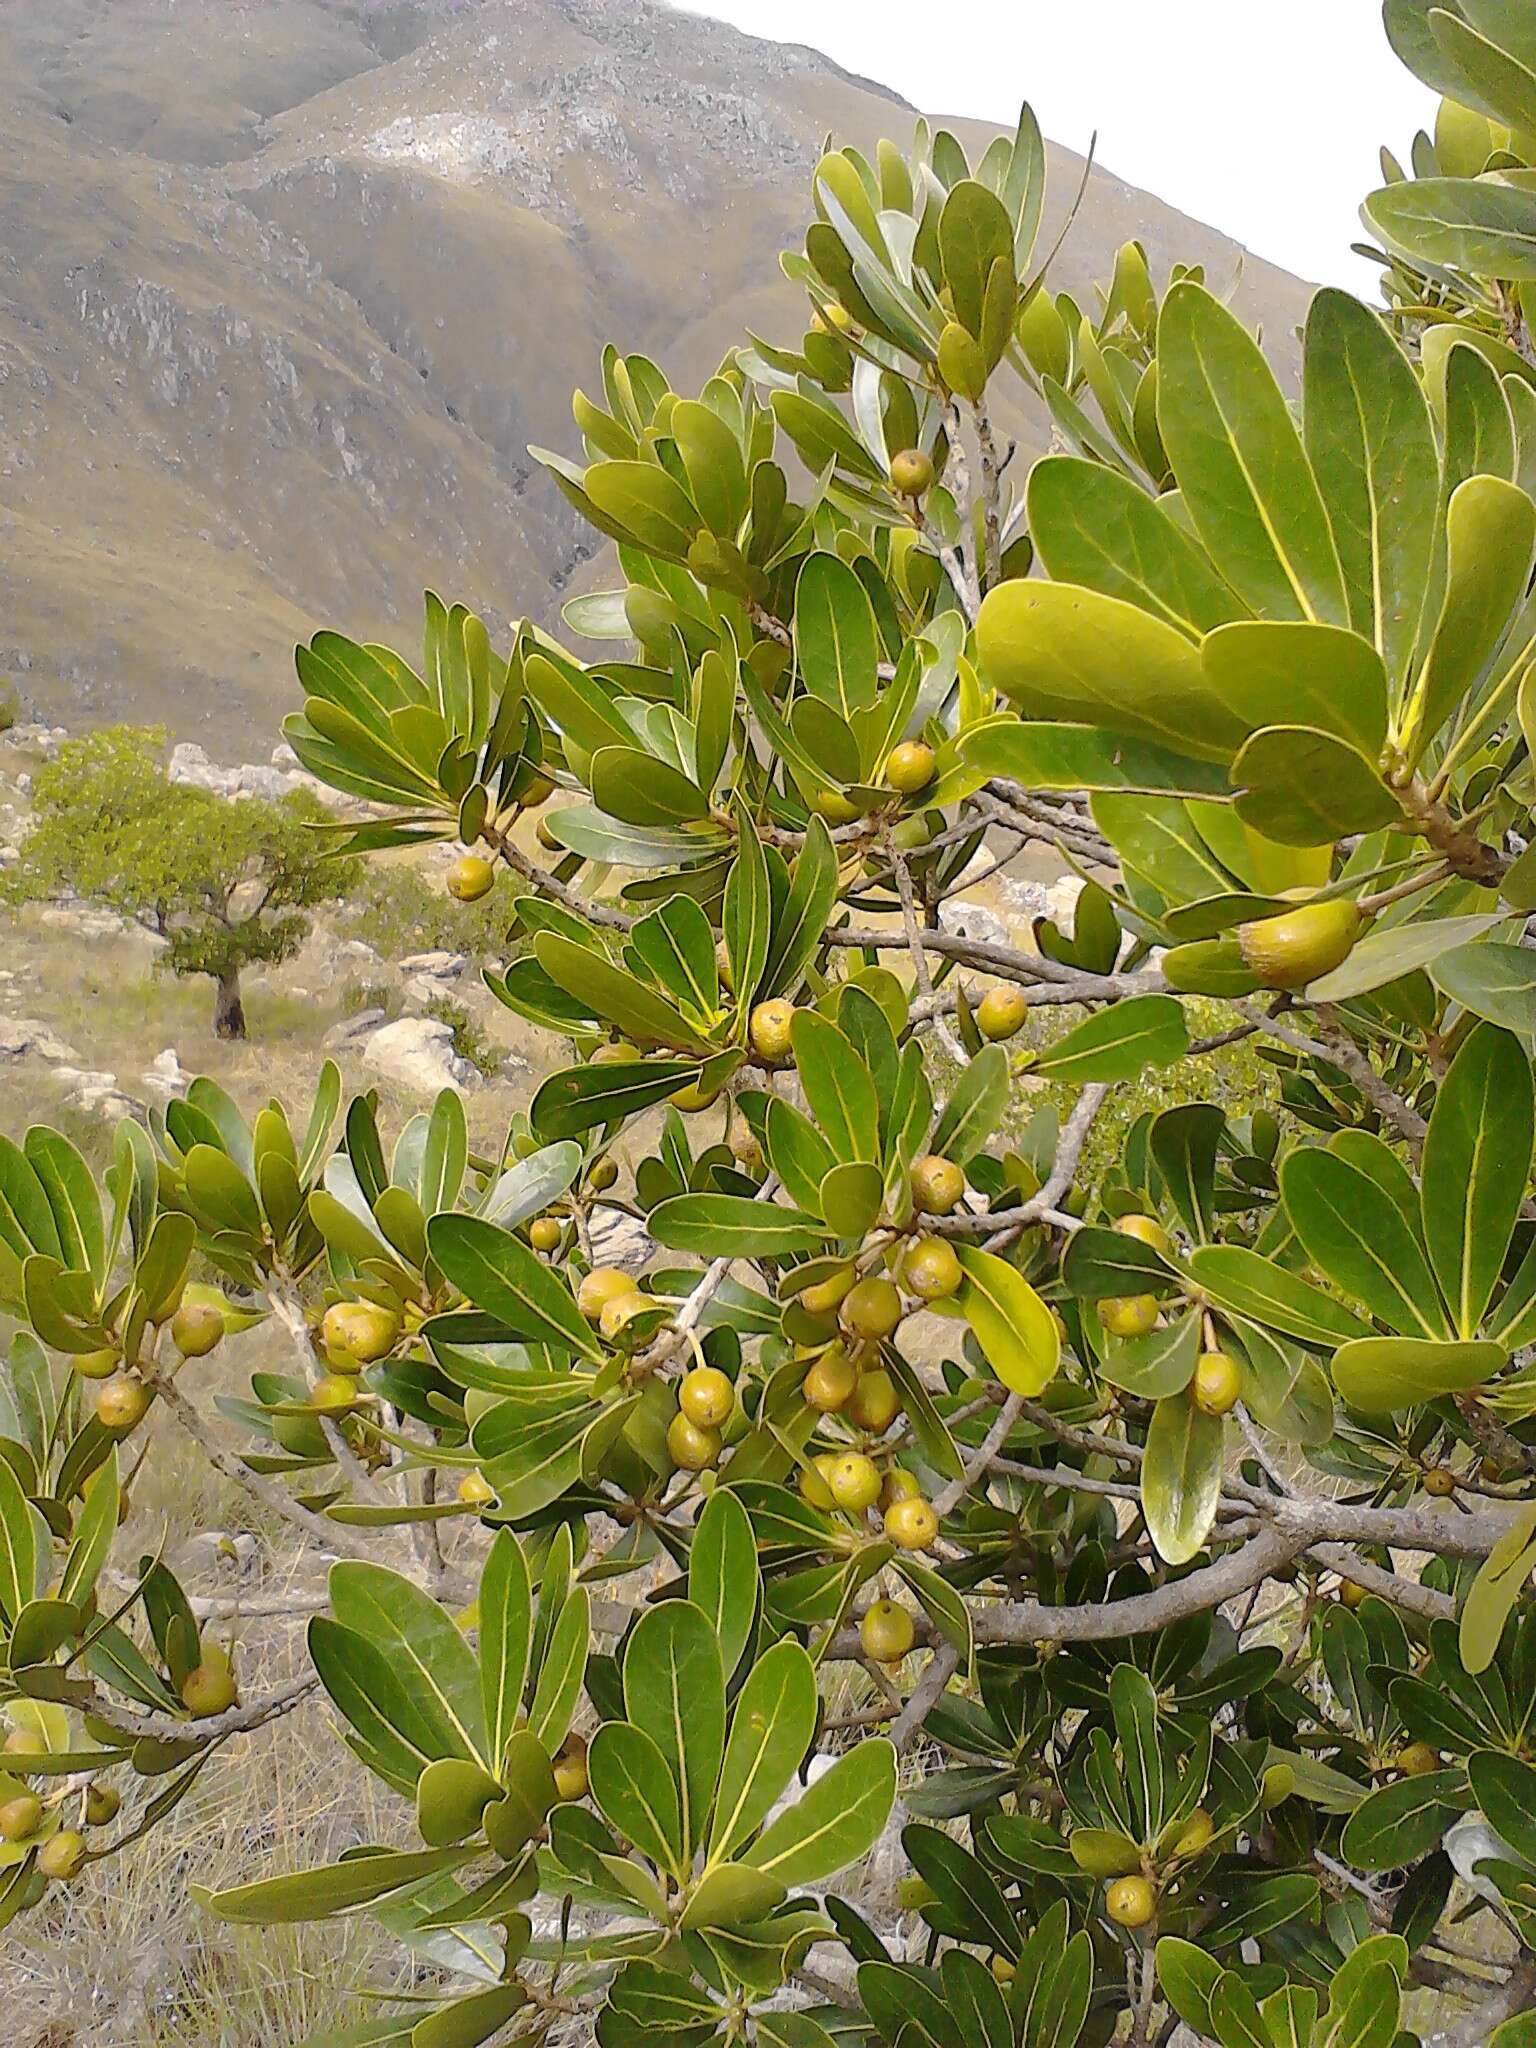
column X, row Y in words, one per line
column 228, row 1010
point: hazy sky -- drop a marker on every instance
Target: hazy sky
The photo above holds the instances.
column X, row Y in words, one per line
column 1263, row 120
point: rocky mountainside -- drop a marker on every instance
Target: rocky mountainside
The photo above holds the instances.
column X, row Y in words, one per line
column 288, row 286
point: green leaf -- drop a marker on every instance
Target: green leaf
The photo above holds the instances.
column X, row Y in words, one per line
column 1492, row 980
column 641, row 789
column 531, row 1184
column 1118, row 1043
column 502, row 1276
column 95, row 1528
column 1356, row 1234
column 1302, row 787
column 1244, row 475
column 647, row 502
column 975, row 1106
column 849, row 1198
column 1058, row 652
column 470, row 2020
column 1187, row 1976
column 1016, row 1331
column 771, row 1729
column 1181, row 1477
column 636, row 1793
column 836, row 643
column 674, row 1690
column 451, row 1795
column 25, row 1545
column 747, row 918
column 1094, row 527
column 318, row 1894
column 69, row 1187
column 1398, row 1823
column 1490, row 529
column 723, row 1576
column 1042, row 756
column 1376, row 1375
column 580, row 1099
column 562, row 1670
column 1494, row 1594
column 1285, row 672
column 506, row 1636
column 839, row 1090
column 1133, row 1703
column 798, row 928
column 1372, row 445
column 1476, row 225
column 974, row 233
column 718, row 1226
column 1161, row 1363
column 1477, row 1162
column 1247, row 1284
column 834, row 1822
column 430, row 1657
column 1503, row 1787
column 1184, row 1143
column 618, row 996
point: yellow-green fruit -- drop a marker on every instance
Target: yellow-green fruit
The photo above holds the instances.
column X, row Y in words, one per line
column 619, row 1054
column 539, row 791
column 834, row 319
column 915, row 1892
column 1440, row 1482
column 361, row 1329
column 544, row 1233
column 875, row 1403
column 1003, row 1970
column 814, row 1488
column 724, row 971
column 476, row 1491
column 899, row 1485
column 871, row 1309
column 1146, row 1230
column 470, row 878
column 836, row 808
column 102, row 1804
column 1301, row 945
column 1131, row 1315
column 571, row 1770
column 1350, row 1595
column 887, row 1632
column 1195, row 1833
column 937, row 1185
column 1130, row 1902
column 855, row 1482
column 22, row 1742
column 706, row 1397
column 695, row 1095
column 95, row 1365
column 911, row 767
column 769, row 1029
column 602, row 1285
column 911, row 473
column 931, row 1270
column 1217, row 1384
column 1418, row 1760
column 602, row 1174
column 830, row 1382
column 691, row 1448
column 334, row 1393
column 1001, row 1013
column 912, row 1524
column 121, row 1402
column 621, row 1310
column 21, row 1817
column 62, row 1855
column 741, row 1142
column 208, row 1690
column 546, row 838
column 196, row 1328
column 825, row 1296
column 1277, row 1785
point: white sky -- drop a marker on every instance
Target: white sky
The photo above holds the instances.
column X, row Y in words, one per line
column 1263, row 120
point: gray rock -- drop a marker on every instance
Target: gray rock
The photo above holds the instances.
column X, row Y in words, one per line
column 971, row 921
column 96, row 1092
column 190, row 765
column 354, row 1027
column 25, row 1037
column 418, row 1053
column 86, row 921
column 441, row 966
column 619, row 1240
column 165, row 1076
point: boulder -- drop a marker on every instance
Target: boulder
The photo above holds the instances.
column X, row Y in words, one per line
column 354, row 1027
column 96, row 1092
column 190, row 765
column 25, row 1037
column 165, row 1076
column 418, row 1053
column 438, row 966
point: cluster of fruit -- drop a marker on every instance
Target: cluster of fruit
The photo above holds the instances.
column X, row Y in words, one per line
column 123, row 1396
column 1217, row 1383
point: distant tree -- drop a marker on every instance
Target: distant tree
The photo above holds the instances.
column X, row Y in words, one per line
column 227, row 882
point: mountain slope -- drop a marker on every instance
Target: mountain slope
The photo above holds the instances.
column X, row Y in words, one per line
column 288, row 286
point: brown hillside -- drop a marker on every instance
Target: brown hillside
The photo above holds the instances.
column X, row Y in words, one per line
column 288, row 286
